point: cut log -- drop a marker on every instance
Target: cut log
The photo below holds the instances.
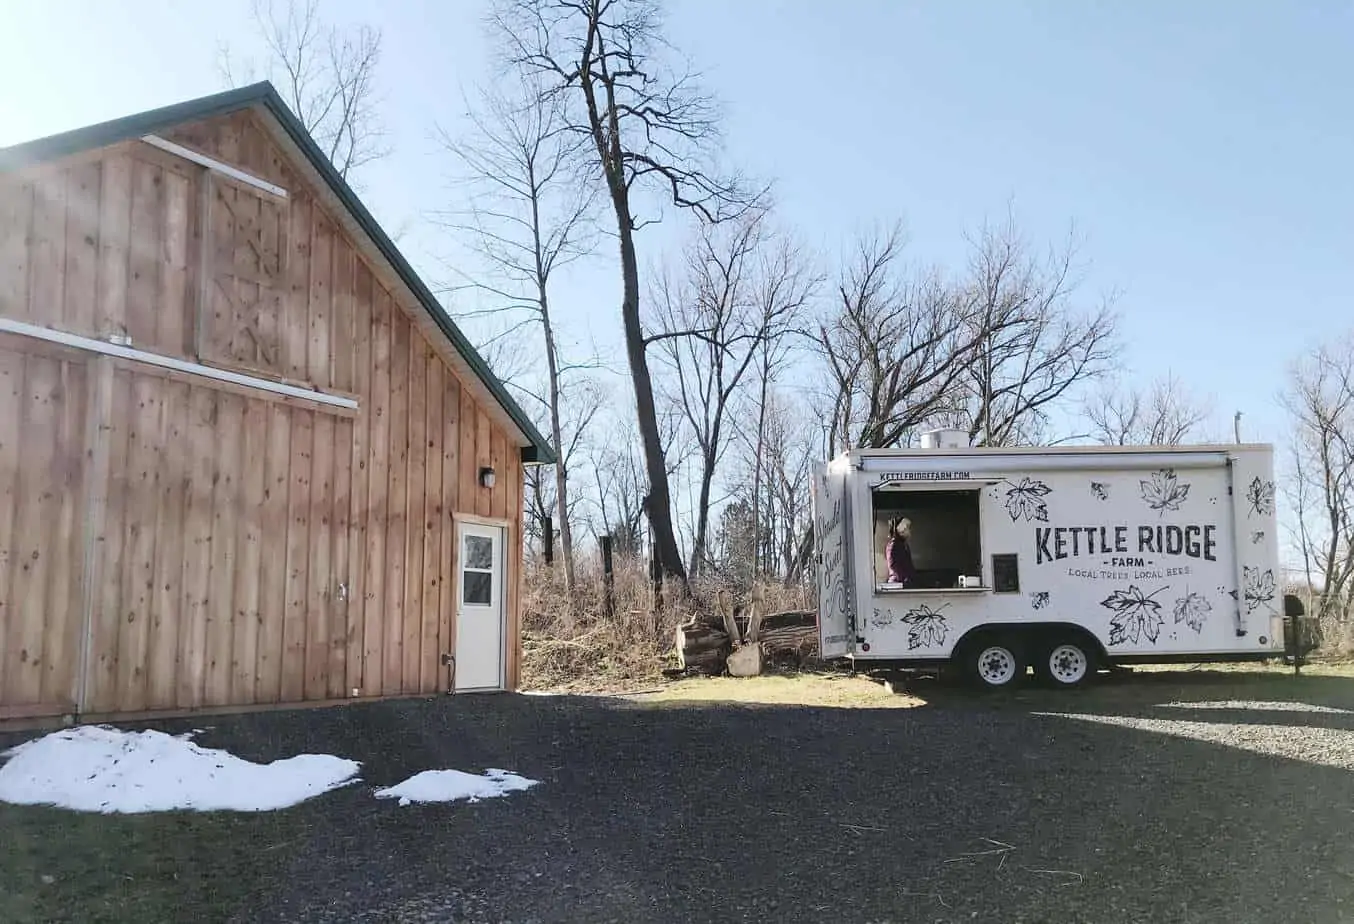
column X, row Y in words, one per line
column 703, row 643
column 798, row 642
column 702, row 647
column 746, row 661
column 709, row 662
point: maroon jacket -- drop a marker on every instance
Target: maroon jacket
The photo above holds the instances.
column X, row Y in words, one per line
column 898, row 555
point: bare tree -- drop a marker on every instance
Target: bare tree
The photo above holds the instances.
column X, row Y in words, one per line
column 1165, row 414
column 645, row 126
column 1320, row 396
column 897, row 347
column 741, row 288
column 789, row 272
column 1032, row 348
column 772, row 473
column 529, row 213
column 326, row 75
column 621, row 481
column 580, row 401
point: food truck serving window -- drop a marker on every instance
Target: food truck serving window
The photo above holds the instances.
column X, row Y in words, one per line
column 944, row 535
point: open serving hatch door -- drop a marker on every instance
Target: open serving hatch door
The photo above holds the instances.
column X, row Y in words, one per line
column 831, row 528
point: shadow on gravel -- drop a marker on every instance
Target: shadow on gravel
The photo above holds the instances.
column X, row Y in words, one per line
column 1308, row 700
column 964, row 810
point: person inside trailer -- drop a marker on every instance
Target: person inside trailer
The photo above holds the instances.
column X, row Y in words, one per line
column 898, row 553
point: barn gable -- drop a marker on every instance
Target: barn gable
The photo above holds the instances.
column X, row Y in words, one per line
column 251, row 131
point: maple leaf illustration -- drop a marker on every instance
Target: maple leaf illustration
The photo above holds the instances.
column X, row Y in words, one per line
column 1026, row 500
column 1192, row 609
column 1261, row 496
column 928, row 627
column 1135, row 615
column 1163, row 491
column 1259, row 587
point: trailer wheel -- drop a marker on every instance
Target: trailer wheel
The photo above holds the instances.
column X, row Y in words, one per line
column 995, row 663
column 1066, row 662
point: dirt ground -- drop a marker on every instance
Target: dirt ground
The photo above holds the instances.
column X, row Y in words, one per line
column 1204, row 795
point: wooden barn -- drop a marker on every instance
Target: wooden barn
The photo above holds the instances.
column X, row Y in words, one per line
column 246, row 459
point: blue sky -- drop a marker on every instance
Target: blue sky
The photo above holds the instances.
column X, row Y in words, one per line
column 1203, row 149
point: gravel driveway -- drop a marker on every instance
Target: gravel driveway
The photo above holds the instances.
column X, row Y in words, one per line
column 1220, row 809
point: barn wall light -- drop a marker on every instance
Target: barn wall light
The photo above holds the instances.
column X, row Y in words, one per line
column 487, row 476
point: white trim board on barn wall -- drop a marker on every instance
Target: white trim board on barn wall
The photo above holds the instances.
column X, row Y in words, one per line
column 203, row 160
column 24, row 329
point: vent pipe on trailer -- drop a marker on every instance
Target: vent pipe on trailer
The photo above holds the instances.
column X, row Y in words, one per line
column 944, row 438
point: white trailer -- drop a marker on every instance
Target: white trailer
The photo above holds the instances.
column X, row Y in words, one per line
column 1062, row 559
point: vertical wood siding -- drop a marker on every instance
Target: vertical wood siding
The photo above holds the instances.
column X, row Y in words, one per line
column 246, row 549
column 42, row 418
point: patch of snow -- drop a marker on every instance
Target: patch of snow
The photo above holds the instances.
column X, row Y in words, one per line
column 449, row 785
column 102, row 769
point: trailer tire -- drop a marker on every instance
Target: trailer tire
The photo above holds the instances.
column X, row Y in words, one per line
column 1065, row 661
column 994, row 662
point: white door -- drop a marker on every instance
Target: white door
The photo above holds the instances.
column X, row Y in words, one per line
column 479, row 608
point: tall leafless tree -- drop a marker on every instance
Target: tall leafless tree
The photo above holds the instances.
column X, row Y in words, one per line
column 327, row 76
column 1320, row 398
column 1164, row 414
column 528, row 211
column 897, row 346
column 647, row 126
column 1033, row 348
column 772, row 473
column 791, row 271
column 741, row 288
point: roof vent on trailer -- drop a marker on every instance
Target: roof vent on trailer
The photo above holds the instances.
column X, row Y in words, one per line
column 944, row 439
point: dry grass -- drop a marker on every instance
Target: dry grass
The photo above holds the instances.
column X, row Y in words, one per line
column 574, row 646
column 840, row 691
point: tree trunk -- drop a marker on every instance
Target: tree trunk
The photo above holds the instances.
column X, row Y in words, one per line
column 801, row 560
column 702, row 512
column 566, row 540
column 757, row 471
column 604, row 123
column 659, row 508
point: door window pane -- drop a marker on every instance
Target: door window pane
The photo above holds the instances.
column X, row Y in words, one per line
column 479, row 553
column 477, row 588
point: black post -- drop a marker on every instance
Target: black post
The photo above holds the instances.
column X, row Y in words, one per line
column 1297, row 642
column 608, row 579
column 548, row 540
column 656, row 576
column 1294, row 610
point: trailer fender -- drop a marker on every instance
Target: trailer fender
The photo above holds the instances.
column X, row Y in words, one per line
column 1029, row 636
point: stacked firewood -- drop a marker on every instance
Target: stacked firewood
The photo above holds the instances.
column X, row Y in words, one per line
column 742, row 640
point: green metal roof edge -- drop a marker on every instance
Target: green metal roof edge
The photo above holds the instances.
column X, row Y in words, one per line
column 39, row 151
